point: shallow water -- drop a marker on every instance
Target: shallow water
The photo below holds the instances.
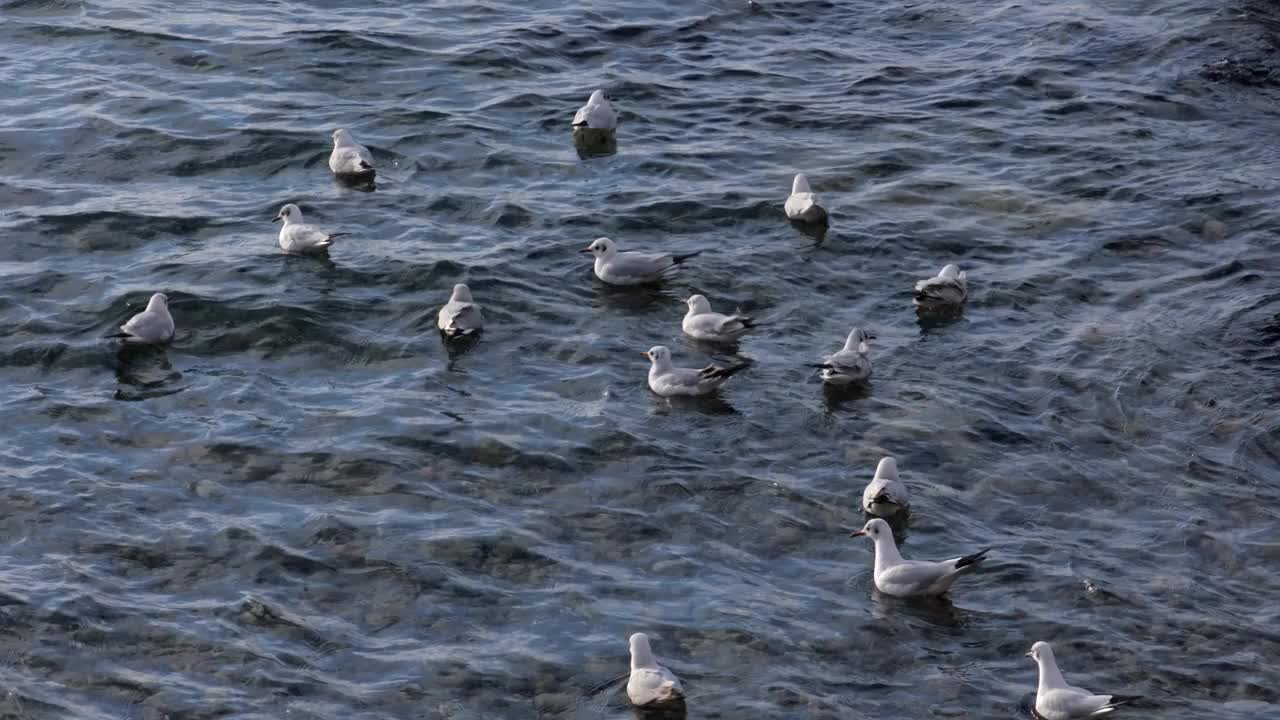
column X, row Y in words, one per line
column 307, row 507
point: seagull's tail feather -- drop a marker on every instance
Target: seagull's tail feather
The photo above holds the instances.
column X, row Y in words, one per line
column 677, row 259
column 114, row 336
column 824, row 366
column 1122, row 699
column 335, row 236
column 973, row 559
column 715, row 372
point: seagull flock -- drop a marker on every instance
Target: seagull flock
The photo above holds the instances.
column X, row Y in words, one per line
column 651, row 685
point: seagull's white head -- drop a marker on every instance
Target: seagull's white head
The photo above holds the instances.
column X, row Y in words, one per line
column 598, row 97
column 1041, row 652
column 341, row 137
column 641, row 654
column 857, row 340
column 659, row 355
column 800, row 184
column 158, row 301
column 461, row 293
column 876, row 529
column 950, row 272
column 289, row 214
column 887, row 469
column 601, row 248
column 698, row 304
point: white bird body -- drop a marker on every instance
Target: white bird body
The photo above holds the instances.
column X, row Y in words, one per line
column 948, row 287
column 701, row 323
column 669, row 381
column 349, row 157
column 803, row 205
column 1056, row 700
column 650, row 682
column 885, row 495
column 631, row 268
column 153, row 325
column 301, row 238
column 850, row 364
column 461, row 315
column 597, row 114
column 912, row 578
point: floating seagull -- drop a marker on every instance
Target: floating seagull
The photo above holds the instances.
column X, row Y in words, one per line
column 298, row 237
column 1056, row 700
column 650, row 682
column 702, row 324
column 597, row 114
column 885, row 494
column 349, row 157
column 850, row 364
column 910, row 578
column 669, row 381
column 631, row 268
column 461, row 315
column 949, row 287
column 153, row 325
column 803, row 204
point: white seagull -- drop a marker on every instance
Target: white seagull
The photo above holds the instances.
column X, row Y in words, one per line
column 349, row 157
column 885, row 494
column 912, row 578
column 299, row 237
column 461, row 315
column 803, row 204
column 949, row 287
column 1056, row 700
column 631, row 268
column 851, row 363
column 650, row 682
column 597, row 114
column 153, row 325
column 669, row 381
column 702, row 324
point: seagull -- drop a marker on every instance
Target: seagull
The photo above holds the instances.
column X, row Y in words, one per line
column 349, row 157
column 803, row 204
column 1056, row 700
column 912, row 578
column 650, row 682
column 153, row 325
column 885, row 494
column 702, row 324
column 669, row 381
column 631, row 268
column 850, row 364
column 461, row 315
column 949, row 287
column 597, row 114
column 298, row 237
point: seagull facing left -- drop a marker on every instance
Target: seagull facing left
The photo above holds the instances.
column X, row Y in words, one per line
column 885, row 495
column 1056, row 700
column 631, row 268
column 912, row 578
column 153, row 325
column 350, row 157
column 301, row 238
column 597, row 114
column 461, row 315
column 669, row 381
column 649, row 681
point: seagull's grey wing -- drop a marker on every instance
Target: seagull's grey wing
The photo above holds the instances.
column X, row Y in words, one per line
column 938, row 289
column 460, row 316
column 848, row 361
column 916, row 575
column 1074, row 702
column 638, row 265
column 301, row 238
column 149, row 326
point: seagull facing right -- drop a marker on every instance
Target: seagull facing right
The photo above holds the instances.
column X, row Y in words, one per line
column 461, row 315
column 153, row 325
column 669, row 381
column 850, row 364
column 349, row 157
column 702, row 324
column 803, row 205
column 650, row 682
column 631, row 268
column 301, row 238
column 949, row 287
column 597, row 114
column 885, row 494
column 912, row 578
column 1056, row 700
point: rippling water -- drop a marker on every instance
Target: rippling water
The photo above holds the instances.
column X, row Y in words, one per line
column 306, row 507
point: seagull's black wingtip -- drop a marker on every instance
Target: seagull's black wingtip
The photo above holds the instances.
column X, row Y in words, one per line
column 972, row 559
column 677, row 259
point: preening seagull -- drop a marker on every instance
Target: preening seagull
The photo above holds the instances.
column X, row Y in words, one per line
column 650, row 682
column 885, row 495
column 670, row 381
column 461, row 315
column 597, row 114
column 851, row 363
column 701, row 323
column 948, row 287
column 912, row 578
column 631, row 268
column 803, row 205
column 301, row 238
column 1056, row 700
column 153, row 325
column 349, row 157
